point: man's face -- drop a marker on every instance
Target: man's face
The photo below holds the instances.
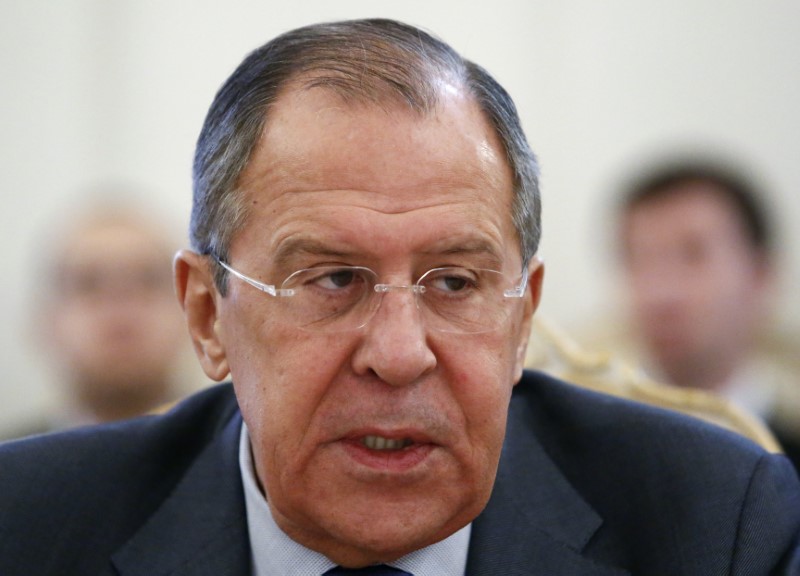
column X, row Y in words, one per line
column 111, row 320
column 331, row 183
column 695, row 280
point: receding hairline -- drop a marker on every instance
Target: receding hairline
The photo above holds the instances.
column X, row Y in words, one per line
column 390, row 104
column 376, row 93
column 370, row 90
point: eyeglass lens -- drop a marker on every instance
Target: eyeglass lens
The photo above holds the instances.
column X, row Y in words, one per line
column 331, row 299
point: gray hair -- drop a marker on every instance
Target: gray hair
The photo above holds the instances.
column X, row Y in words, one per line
column 373, row 61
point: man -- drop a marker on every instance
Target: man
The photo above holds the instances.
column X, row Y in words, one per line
column 698, row 259
column 106, row 316
column 365, row 225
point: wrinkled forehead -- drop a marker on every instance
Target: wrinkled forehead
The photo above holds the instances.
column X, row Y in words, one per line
column 314, row 139
column 318, row 151
column 427, row 99
column 312, row 130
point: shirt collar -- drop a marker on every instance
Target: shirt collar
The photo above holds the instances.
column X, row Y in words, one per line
column 273, row 552
column 750, row 389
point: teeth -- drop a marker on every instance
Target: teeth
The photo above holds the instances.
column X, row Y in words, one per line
column 381, row 443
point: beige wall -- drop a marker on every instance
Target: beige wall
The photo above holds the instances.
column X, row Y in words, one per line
column 98, row 90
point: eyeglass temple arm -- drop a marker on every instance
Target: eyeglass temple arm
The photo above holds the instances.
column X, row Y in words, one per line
column 519, row 291
column 268, row 288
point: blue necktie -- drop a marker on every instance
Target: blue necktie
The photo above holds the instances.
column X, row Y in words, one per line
column 380, row 570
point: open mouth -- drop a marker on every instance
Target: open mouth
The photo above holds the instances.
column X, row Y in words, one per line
column 381, row 443
column 398, row 452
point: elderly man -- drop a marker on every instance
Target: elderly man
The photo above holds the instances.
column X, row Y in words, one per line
column 365, row 224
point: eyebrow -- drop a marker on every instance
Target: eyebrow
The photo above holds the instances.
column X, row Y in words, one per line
column 466, row 247
column 291, row 247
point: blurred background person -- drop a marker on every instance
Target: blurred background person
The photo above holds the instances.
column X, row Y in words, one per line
column 106, row 319
column 698, row 255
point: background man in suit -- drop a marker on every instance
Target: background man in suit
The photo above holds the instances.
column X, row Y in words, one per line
column 364, row 232
column 105, row 319
column 697, row 250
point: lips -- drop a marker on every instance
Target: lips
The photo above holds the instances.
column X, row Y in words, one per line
column 395, row 451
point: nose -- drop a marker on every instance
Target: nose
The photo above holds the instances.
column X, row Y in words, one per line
column 658, row 288
column 394, row 346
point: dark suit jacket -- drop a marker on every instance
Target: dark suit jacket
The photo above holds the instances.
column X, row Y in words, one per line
column 789, row 442
column 588, row 486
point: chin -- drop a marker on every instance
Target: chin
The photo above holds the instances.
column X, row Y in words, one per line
column 387, row 541
column 371, row 532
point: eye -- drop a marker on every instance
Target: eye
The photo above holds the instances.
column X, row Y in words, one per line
column 336, row 279
column 454, row 283
column 339, row 279
column 451, row 280
column 83, row 283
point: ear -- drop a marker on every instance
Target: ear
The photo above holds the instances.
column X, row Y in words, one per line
column 198, row 296
column 532, row 299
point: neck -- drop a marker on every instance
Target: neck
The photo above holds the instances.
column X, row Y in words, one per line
column 110, row 404
column 710, row 376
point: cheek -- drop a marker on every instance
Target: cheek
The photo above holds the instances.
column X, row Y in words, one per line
column 281, row 379
column 483, row 398
column 277, row 382
column 493, row 354
column 482, row 382
column 485, row 404
column 74, row 332
column 76, row 319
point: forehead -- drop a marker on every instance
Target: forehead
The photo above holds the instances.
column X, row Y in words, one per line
column 693, row 207
column 113, row 240
column 318, row 152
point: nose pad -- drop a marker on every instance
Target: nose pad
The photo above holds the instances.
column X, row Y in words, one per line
column 384, row 289
column 395, row 342
column 400, row 305
column 374, row 301
column 414, row 288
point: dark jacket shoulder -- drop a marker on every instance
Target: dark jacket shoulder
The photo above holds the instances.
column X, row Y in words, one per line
column 95, row 486
column 672, row 490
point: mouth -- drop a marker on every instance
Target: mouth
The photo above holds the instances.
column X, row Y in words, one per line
column 382, row 443
column 388, row 452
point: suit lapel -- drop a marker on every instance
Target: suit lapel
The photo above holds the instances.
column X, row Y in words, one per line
column 535, row 523
column 201, row 528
